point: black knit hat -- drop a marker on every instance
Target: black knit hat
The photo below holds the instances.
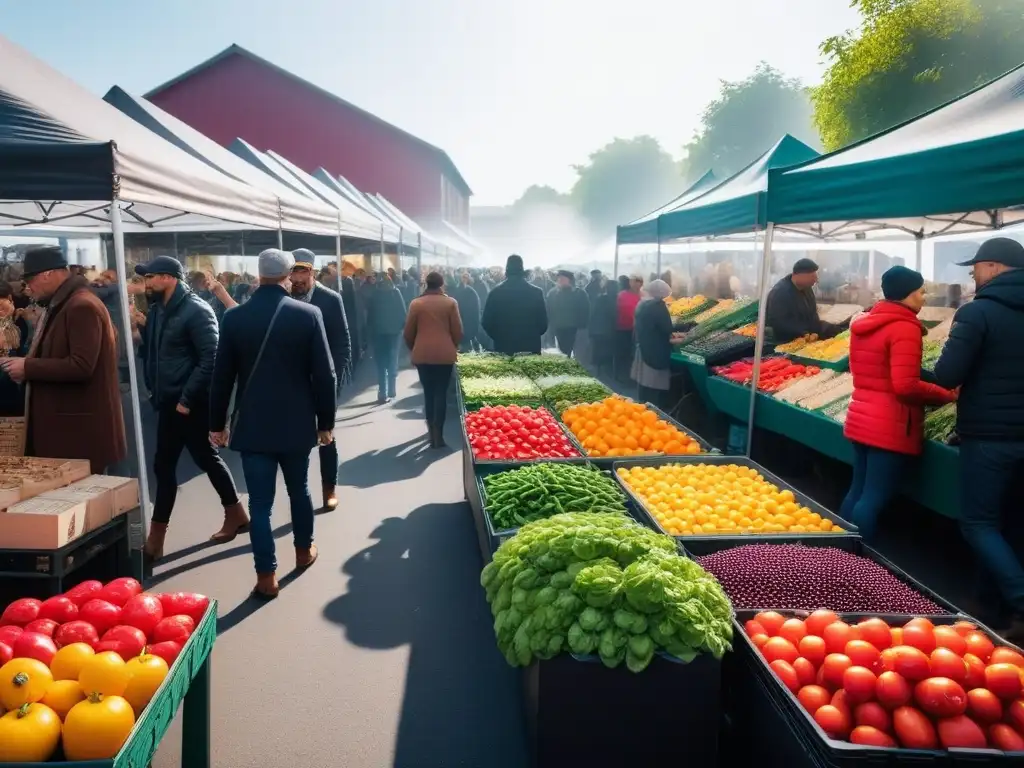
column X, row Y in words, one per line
column 899, row 282
column 804, row 267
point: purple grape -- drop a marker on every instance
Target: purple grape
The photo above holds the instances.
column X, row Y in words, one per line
column 807, row 578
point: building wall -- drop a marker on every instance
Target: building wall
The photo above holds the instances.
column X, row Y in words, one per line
column 238, row 97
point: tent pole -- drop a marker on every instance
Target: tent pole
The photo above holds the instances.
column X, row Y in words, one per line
column 615, row 260
column 117, row 236
column 280, row 238
column 399, row 249
column 382, row 247
column 918, row 247
column 337, row 253
column 762, row 311
column 657, row 268
column 419, row 254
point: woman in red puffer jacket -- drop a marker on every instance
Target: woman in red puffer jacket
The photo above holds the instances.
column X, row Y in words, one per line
column 885, row 421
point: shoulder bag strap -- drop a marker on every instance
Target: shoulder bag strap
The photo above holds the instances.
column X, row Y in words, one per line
column 256, row 364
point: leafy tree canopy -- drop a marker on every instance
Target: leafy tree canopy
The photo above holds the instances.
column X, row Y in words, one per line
column 910, row 56
column 537, row 195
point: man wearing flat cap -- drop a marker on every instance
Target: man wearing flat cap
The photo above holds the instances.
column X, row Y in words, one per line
column 306, row 289
column 568, row 311
column 984, row 356
column 792, row 309
column 73, row 403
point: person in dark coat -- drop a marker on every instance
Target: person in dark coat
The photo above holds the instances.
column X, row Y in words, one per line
column 482, row 286
column 385, row 319
column 348, row 300
column 603, row 315
column 331, row 306
column 984, row 357
column 792, row 310
column 275, row 348
column 515, row 316
column 653, row 330
column 595, row 286
column 14, row 340
column 364, row 289
column 568, row 311
column 469, row 309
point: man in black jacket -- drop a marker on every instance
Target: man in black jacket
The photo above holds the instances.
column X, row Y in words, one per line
column 179, row 341
column 305, row 288
column 276, row 350
column 568, row 311
column 515, row 315
column 468, row 299
column 984, row 356
column 792, row 310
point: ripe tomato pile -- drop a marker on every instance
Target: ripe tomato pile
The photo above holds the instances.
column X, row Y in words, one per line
column 919, row 686
column 517, row 432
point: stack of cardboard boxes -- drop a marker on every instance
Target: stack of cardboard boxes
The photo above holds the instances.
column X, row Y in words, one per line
column 47, row 503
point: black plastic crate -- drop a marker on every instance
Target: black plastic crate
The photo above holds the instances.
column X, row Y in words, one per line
column 758, row 692
column 580, row 713
column 702, row 545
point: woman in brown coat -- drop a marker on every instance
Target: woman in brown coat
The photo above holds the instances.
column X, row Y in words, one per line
column 433, row 330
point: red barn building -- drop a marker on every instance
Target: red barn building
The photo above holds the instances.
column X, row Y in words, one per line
column 237, row 94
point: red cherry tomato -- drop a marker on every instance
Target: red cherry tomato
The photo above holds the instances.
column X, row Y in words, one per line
column 863, row 654
column 126, row 640
column 833, row 668
column 34, row 645
column 1015, row 715
column 101, row 614
column 945, row 663
column 9, row 633
column 913, row 729
column 964, row 628
column 143, row 611
column 1005, row 738
column 60, row 609
column 948, row 637
column 911, row 663
column 892, row 690
column 120, row 591
column 813, row 649
column 1004, row 655
column 82, row 593
column 941, row 697
column 771, row 621
column 21, row 612
column 786, row 674
column 984, row 706
column 859, row 684
column 876, row 632
column 870, row 736
column 176, row 628
column 960, row 732
column 752, row 627
column 1003, row 680
column 975, row 671
column 813, row 697
column 6, row 653
column 168, row 651
column 874, row 714
column 793, row 630
column 919, row 636
column 805, row 671
column 836, row 635
column 42, row 626
column 833, row 721
column 818, row 620
column 779, row 648
column 979, row 644
column 896, row 636
column 759, row 640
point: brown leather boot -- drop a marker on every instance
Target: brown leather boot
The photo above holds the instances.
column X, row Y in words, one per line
column 330, row 498
column 236, row 521
column 154, row 548
column 304, row 558
column 266, row 587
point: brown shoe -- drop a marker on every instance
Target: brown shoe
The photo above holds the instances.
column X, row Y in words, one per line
column 304, row 558
column 235, row 522
column 266, row 587
column 154, row 548
column 330, row 498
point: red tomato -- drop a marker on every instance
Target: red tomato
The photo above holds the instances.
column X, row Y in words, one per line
column 42, row 626
column 870, row 736
column 9, row 633
column 833, row 668
column 892, row 690
column 818, row 620
column 813, row 649
column 896, row 636
column 979, row 644
column 144, row 612
column 33, row 645
column 786, row 674
column 876, row 632
column 912, row 663
column 80, row 594
column 6, row 653
column 836, row 635
column 76, row 632
column 975, row 671
column 813, row 697
column 1003, row 680
column 771, row 621
column 101, row 614
column 833, row 721
column 805, row 671
column 1005, row 738
column 872, row 713
column 1015, row 715
column 961, row 732
column 859, row 684
column 793, row 630
column 779, row 648
column 984, row 706
column 61, row 609
column 964, row 628
column 839, row 700
column 920, row 622
column 752, row 628
column 759, row 640
column 120, row 591
column 919, row 636
column 190, row 604
column 945, row 663
column 167, row 650
column 863, row 654
column 913, row 729
column 21, row 612
column 177, row 628
column 941, row 697
column 129, row 641
column 948, row 637
column 1004, row 655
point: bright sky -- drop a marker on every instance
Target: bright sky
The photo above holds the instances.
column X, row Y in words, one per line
column 516, row 92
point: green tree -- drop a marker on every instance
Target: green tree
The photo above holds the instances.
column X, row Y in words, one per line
column 747, row 118
column 537, row 195
column 910, row 56
column 624, row 180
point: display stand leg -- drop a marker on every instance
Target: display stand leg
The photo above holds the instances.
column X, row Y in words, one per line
column 195, row 731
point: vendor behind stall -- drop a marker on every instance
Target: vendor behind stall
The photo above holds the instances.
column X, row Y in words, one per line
column 792, row 310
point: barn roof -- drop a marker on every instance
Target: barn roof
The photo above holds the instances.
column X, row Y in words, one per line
column 236, row 50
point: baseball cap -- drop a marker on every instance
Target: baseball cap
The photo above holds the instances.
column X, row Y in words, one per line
column 1001, row 250
column 275, row 263
column 304, row 258
column 161, row 265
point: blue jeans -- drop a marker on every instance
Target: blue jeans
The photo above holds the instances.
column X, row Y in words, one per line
column 877, row 474
column 988, row 470
column 385, row 353
column 329, row 464
column 260, row 471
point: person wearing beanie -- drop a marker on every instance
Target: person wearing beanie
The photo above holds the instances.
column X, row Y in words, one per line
column 515, row 315
column 792, row 309
column 568, row 311
column 885, row 421
column 653, row 329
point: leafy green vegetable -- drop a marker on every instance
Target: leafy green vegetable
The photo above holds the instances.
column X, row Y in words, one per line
column 499, row 390
column 536, row 366
column 571, row 390
column 940, row 424
column 624, row 592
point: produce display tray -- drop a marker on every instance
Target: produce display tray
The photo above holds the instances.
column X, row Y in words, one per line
column 699, row 545
column 579, row 712
column 513, row 462
column 606, row 462
column 788, row 729
column 842, row 365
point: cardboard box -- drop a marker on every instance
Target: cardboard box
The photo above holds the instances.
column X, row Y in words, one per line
column 125, row 490
column 99, row 503
column 42, row 523
column 12, row 436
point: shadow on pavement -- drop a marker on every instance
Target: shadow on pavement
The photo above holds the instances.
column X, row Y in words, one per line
column 251, row 604
column 398, row 462
column 419, row 585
